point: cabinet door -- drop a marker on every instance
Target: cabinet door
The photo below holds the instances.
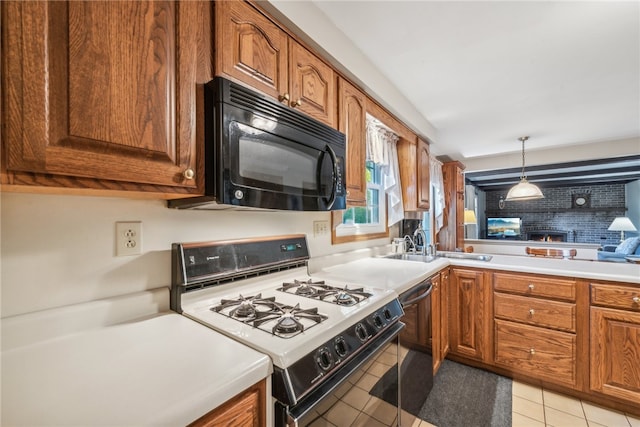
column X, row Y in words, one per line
column 312, row 85
column 615, row 352
column 467, row 313
column 104, row 90
column 436, row 322
column 424, row 183
column 245, row 409
column 252, row 49
column 352, row 111
column 444, row 314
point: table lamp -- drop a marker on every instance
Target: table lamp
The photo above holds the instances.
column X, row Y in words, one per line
column 621, row 224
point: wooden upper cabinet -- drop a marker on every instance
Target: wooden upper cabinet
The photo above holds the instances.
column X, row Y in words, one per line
column 312, row 84
column 413, row 159
column 252, row 49
column 352, row 122
column 104, row 91
column 451, row 235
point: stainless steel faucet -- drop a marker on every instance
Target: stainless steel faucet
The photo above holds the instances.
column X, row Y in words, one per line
column 420, row 231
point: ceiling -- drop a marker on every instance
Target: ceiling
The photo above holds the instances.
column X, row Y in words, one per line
column 484, row 73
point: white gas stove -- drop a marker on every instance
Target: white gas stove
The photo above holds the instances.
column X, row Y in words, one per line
column 259, row 292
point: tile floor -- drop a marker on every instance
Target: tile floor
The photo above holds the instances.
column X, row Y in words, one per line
column 353, row 406
column 536, row 407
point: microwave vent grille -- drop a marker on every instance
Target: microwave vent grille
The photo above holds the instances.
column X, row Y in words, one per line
column 258, row 104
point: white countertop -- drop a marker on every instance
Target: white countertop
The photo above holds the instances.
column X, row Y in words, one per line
column 159, row 369
column 401, row 275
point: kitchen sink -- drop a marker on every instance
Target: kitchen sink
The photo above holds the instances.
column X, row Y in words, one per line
column 411, row 257
column 465, row 255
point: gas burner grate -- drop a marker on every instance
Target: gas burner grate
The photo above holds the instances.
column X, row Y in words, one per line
column 322, row 292
column 245, row 309
column 267, row 314
column 287, row 319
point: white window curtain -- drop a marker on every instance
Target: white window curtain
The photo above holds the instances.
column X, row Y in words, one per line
column 437, row 182
column 382, row 149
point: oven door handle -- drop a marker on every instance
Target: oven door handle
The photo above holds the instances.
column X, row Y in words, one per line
column 426, row 286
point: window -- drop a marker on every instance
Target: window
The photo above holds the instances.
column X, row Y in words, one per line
column 369, row 219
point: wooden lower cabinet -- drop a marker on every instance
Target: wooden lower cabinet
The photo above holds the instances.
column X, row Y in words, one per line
column 248, row 409
column 544, row 353
column 615, row 342
column 469, row 335
column 535, row 326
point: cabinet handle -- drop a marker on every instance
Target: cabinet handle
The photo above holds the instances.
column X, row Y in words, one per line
column 636, row 299
column 188, row 173
column 532, row 351
column 297, row 103
column 531, row 286
column 532, row 312
column 284, row 98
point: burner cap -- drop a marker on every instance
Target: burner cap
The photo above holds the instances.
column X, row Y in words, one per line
column 287, row 325
column 305, row 290
column 244, row 310
column 344, row 298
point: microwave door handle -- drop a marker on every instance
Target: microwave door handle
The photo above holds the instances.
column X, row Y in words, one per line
column 334, row 162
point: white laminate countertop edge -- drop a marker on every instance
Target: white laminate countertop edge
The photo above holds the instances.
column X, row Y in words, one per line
column 158, row 369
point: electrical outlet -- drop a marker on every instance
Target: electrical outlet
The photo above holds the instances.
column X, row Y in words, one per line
column 128, row 238
column 320, row 228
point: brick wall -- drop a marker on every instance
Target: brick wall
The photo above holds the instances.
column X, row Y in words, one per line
column 554, row 212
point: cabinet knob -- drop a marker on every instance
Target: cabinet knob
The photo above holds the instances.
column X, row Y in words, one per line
column 531, row 286
column 188, row 173
column 297, row 103
column 532, row 312
column 284, row 98
column 532, row 351
column 636, row 299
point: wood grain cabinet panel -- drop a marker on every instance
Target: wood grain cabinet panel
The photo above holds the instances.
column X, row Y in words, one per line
column 244, row 410
column 468, row 306
column 451, row 235
column 615, row 342
column 535, row 285
column 536, row 311
column 105, row 90
column 251, row 49
column 543, row 353
column 352, row 110
column 413, row 159
column 312, row 84
column 256, row 51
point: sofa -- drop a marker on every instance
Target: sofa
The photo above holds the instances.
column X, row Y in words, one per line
column 613, row 253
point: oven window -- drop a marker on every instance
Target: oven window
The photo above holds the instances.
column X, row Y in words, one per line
column 283, row 165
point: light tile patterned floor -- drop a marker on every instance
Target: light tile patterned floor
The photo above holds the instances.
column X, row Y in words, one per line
column 536, row 407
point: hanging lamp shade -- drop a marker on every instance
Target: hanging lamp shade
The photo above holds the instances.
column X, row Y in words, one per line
column 524, row 190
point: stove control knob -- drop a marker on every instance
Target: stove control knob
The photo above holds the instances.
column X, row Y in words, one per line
column 377, row 321
column 324, row 359
column 361, row 332
column 387, row 314
column 341, row 347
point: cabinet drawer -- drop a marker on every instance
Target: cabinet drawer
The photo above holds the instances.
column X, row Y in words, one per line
column 545, row 354
column 624, row 297
column 535, row 286
column 535, row 311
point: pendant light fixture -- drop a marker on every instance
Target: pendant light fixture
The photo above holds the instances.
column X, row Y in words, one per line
column 524, row 190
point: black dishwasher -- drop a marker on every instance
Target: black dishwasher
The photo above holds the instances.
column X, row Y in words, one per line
column 415, row 357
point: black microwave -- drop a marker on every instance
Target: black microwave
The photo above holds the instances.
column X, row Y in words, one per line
column 262, row 154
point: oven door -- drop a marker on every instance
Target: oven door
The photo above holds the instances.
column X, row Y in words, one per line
column 350, row 386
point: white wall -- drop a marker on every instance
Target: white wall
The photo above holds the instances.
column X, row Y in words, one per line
column 632, row 196
column 59, row 250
